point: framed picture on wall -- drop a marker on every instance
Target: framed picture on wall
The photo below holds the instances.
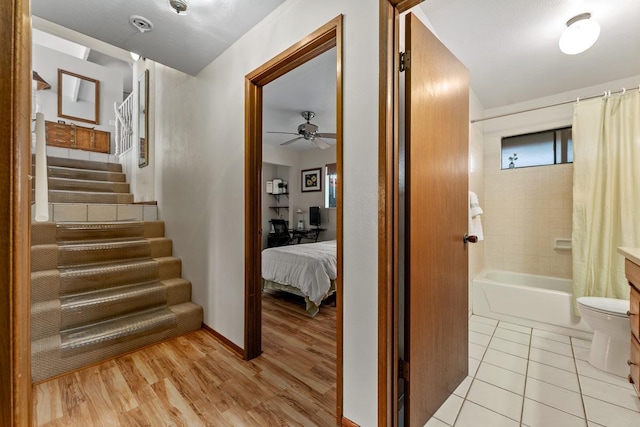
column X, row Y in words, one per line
column 312, row 180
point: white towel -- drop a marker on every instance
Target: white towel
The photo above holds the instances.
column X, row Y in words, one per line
column 475, row 223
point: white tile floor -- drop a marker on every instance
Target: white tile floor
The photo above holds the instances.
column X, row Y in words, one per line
column 520, row 376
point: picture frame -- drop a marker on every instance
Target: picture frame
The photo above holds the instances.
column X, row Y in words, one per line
column 311, row 180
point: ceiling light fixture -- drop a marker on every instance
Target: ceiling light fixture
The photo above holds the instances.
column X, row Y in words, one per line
column 179, row 6
column 581, row 33
column 141, row 23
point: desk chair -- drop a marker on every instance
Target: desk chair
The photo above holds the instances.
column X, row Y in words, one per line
column 280, row 235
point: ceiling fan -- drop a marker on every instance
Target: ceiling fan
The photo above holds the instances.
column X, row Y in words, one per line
column 309, row 131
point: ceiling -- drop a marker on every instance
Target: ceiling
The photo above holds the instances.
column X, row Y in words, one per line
column 185, row 42
column 511, row 46
column 310, row 87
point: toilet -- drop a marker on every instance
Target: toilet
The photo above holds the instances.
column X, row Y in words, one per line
column 609, row 320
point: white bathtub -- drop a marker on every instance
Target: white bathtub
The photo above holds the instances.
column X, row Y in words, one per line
column 539, row 302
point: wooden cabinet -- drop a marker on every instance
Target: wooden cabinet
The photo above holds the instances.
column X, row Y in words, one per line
column 632, row 271
column 78, row 137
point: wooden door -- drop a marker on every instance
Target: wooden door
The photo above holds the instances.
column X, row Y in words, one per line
column 436, row 268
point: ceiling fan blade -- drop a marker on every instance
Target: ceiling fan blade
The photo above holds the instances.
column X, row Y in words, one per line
column 291, row 141
column 320, row 143
column 284, row 133
column 326, row 135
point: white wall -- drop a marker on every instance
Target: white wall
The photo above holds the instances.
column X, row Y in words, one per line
column 142, row 181
column 200, row 178
column 525, row 209
column 47, row 61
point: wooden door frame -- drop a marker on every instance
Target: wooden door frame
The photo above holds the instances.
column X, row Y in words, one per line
column 15, row 161
column 316, row 43
column 388, row 214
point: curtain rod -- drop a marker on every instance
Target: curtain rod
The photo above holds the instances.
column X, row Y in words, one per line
column 606, row 94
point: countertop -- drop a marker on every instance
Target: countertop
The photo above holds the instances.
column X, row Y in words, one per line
column 632, row 254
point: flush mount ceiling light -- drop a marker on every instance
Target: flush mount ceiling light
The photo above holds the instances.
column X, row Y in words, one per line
column 179, row 6
column 141, row 23
column 581, row 33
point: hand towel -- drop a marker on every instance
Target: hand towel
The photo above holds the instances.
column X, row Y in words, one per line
column 475, row 223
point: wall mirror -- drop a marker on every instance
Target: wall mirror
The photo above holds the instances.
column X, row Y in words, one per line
column 78, row 97
column 143, row 119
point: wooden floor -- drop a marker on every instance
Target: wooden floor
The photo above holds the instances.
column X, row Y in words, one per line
column 195, row 381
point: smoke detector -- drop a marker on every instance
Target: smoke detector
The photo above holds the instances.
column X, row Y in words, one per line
column 179, row 6
column 141, row 23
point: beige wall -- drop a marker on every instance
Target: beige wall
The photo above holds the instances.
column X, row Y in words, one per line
column 525, row 209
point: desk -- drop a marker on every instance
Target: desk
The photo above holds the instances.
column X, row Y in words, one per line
column 310, row 233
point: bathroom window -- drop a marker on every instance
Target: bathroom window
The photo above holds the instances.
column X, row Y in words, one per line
column 550, row 147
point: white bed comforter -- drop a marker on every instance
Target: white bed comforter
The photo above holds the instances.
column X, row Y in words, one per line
column 309, row 267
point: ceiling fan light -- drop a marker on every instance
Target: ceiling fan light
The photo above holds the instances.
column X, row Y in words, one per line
column 581, row 33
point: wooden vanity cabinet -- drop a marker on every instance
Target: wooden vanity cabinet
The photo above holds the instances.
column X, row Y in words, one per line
column 78, row 137
column 632, row 271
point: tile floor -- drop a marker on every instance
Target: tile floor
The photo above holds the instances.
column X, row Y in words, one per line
column 521, row 376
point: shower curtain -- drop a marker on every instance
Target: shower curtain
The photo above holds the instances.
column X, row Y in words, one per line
column 606, row 192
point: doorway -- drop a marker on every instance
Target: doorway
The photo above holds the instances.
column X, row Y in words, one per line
column 322, row 40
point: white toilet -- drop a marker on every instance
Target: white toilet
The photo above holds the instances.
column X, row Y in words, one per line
column 611, row 333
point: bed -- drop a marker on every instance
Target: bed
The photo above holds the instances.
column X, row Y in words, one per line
column 308, row 270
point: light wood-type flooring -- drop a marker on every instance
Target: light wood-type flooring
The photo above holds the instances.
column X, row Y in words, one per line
column 194, row 380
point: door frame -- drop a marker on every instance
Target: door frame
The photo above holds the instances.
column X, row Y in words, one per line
column 15, row 161
column 388, row 204
column 316, row 43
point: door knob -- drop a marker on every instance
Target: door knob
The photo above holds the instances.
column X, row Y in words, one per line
column 470, row 239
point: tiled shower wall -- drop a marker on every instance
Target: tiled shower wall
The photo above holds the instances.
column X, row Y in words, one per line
column 524, row 211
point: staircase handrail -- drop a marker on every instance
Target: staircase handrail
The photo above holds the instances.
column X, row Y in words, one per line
column 42, row 182
column 124, row 126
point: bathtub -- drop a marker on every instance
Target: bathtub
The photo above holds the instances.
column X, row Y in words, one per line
column 539, row 302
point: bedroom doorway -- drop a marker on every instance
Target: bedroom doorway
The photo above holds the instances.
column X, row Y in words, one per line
column 325, row 40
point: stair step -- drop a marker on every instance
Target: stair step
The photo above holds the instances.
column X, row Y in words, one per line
column 70, row 184
column 52, row 317
column 75, row 254
column 95, row 306
column 88, row 174
column 83, row 164
column 48, row 361
column 63, row 196
column 76, row 279
column 160, row 247
column 77, row 231
column 178, row 290
column 97, row 335
column 169, row 267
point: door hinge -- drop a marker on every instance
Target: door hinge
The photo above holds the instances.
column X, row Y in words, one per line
column 403, row 370
column 405, row 60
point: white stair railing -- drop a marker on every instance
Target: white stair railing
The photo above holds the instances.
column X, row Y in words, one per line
column 42, row 182
column 124, row 126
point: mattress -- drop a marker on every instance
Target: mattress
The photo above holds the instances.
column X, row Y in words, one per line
column 308, row 267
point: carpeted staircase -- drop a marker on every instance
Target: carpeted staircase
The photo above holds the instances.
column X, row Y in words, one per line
column 100, row 289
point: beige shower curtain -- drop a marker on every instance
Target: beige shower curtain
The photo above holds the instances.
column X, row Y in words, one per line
column 606, row 192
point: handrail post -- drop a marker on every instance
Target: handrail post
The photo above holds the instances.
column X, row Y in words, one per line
column 42, row 182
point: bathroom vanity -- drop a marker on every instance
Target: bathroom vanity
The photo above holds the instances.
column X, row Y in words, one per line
column 632, row 271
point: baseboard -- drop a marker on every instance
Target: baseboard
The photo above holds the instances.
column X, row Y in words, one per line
column 348, row 423
column 224, row 340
